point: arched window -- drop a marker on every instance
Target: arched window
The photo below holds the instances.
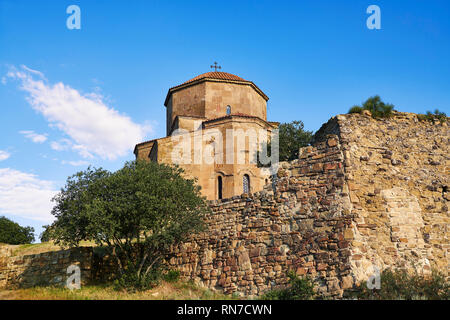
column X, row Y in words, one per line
column 228, row 109
column 246, row 183
column 219, row 187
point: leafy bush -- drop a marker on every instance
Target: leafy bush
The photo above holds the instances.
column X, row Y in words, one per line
column 429, row 116
column 297, row 289
column 376, row 106
column 12, row 233
column 400, row 285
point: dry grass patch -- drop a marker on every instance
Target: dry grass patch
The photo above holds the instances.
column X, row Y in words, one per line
column 165, row 291
column 36, row 248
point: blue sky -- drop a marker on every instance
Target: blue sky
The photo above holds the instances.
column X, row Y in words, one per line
column 70, row 98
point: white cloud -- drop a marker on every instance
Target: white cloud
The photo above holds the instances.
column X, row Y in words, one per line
column 25, row 195
column 38, row 73
column 94, row 128
column 35, row 137
column 4, row 155
column 61, row 145
column 76, row 163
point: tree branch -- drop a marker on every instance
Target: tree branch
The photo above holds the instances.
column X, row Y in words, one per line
column 151, row 265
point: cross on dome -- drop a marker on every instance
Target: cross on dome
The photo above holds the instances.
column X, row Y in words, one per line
column 215, row 66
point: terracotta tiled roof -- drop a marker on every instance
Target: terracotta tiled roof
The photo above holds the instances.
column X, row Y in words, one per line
column 216, row 75
column 213, row 75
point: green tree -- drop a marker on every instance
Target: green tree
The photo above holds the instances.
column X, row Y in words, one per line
column 137, row 213
column 376, row 106
column 46, row 235
column 292, row 137
column 12, row 233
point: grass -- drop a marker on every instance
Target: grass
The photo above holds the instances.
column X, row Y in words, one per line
column 179, row 290
column 36, row 248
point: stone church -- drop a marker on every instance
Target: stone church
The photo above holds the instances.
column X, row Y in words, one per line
column 216, row 102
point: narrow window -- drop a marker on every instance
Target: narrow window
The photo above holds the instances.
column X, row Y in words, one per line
column 246, row 183
column 228, row 109
column 219, row 187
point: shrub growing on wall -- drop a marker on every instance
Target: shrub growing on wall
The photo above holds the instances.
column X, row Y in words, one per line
column 376, row 106
column 137, row 213
column 430, row 116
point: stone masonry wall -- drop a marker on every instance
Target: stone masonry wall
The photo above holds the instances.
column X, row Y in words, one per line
column 397, row 175
column 49, row 268
column 252, row 241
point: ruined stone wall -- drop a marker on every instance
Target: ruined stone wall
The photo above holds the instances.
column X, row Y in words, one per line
column 252, row 241
column 397, row 175
column 48, row 268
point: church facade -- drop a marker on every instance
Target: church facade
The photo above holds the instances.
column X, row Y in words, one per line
column 215, row 123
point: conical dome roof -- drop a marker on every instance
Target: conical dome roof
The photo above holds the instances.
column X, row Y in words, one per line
column 214, row 76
